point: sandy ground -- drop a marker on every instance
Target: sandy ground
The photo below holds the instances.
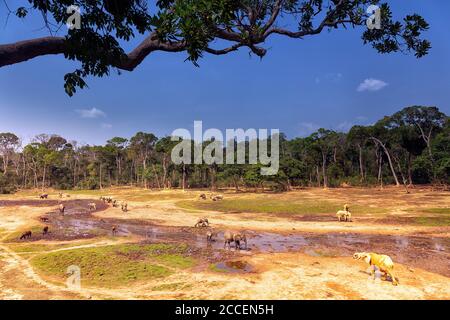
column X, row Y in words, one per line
column 270, row 275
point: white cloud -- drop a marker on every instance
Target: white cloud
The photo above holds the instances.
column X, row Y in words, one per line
column 90, row 113
column 371, row 85
column 106, row 125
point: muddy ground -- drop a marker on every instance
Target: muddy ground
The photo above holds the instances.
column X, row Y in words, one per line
column 287, row 257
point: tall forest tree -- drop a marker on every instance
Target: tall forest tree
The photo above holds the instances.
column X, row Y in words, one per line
column 392, row 151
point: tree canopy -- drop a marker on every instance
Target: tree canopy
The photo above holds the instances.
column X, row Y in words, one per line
column 196, row 27
column 382, row 153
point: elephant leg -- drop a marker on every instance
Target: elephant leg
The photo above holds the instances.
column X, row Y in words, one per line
column 394, row 279
column 372, row 271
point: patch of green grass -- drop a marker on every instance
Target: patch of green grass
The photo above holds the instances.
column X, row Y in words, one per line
column 431, row 217
column 176, row 261
column 258, row 206
column 94, row 193
column 22, row 193
column 213, row 267
column 171, row 286
column 150, row 249
column 30, row 247
column 158, row 197
column 432, row 221
column 116, row 265
column 16, row 235
column 445, row 211
column 134, row 194
column 275, row 206
column 25, row 248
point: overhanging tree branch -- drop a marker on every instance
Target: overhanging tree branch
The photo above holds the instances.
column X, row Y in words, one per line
column 191, row 27
column 29, row 49
column 25, row 50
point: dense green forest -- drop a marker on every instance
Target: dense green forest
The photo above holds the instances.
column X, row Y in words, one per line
column 409, row 147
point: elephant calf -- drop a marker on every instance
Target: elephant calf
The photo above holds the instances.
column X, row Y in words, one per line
column 210, row 236
column 217, row 197
column 202, row 222
column 25, row 235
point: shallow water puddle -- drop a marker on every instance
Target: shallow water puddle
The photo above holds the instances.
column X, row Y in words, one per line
column 261, row 241
column 234, row 266
column 430, row 253
column 425, row 252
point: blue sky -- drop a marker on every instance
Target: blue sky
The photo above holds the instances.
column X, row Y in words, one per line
column 299, row 86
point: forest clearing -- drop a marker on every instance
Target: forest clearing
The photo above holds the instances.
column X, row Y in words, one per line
column 234, row 151
column 296, row 247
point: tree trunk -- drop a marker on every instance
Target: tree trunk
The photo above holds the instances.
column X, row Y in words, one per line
column 405, row 184
column 144, row 169
column 361, row 169
column 184, row 176
column 24, row 173
column 74, row 173
column 429, row 149
column 324, row 170
column 380, row 166
column 427, row 139
column 235, row 183
column 397, row 183
column 318, row 176
column 100, row 180
column 5, row 163
column 118, row 170
column 410, row 181
column 43, row 179
column 156, row 176
column 213, row 179
column 288, row 185
column 35, row 178
column 164, row 180
column 136, row 175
